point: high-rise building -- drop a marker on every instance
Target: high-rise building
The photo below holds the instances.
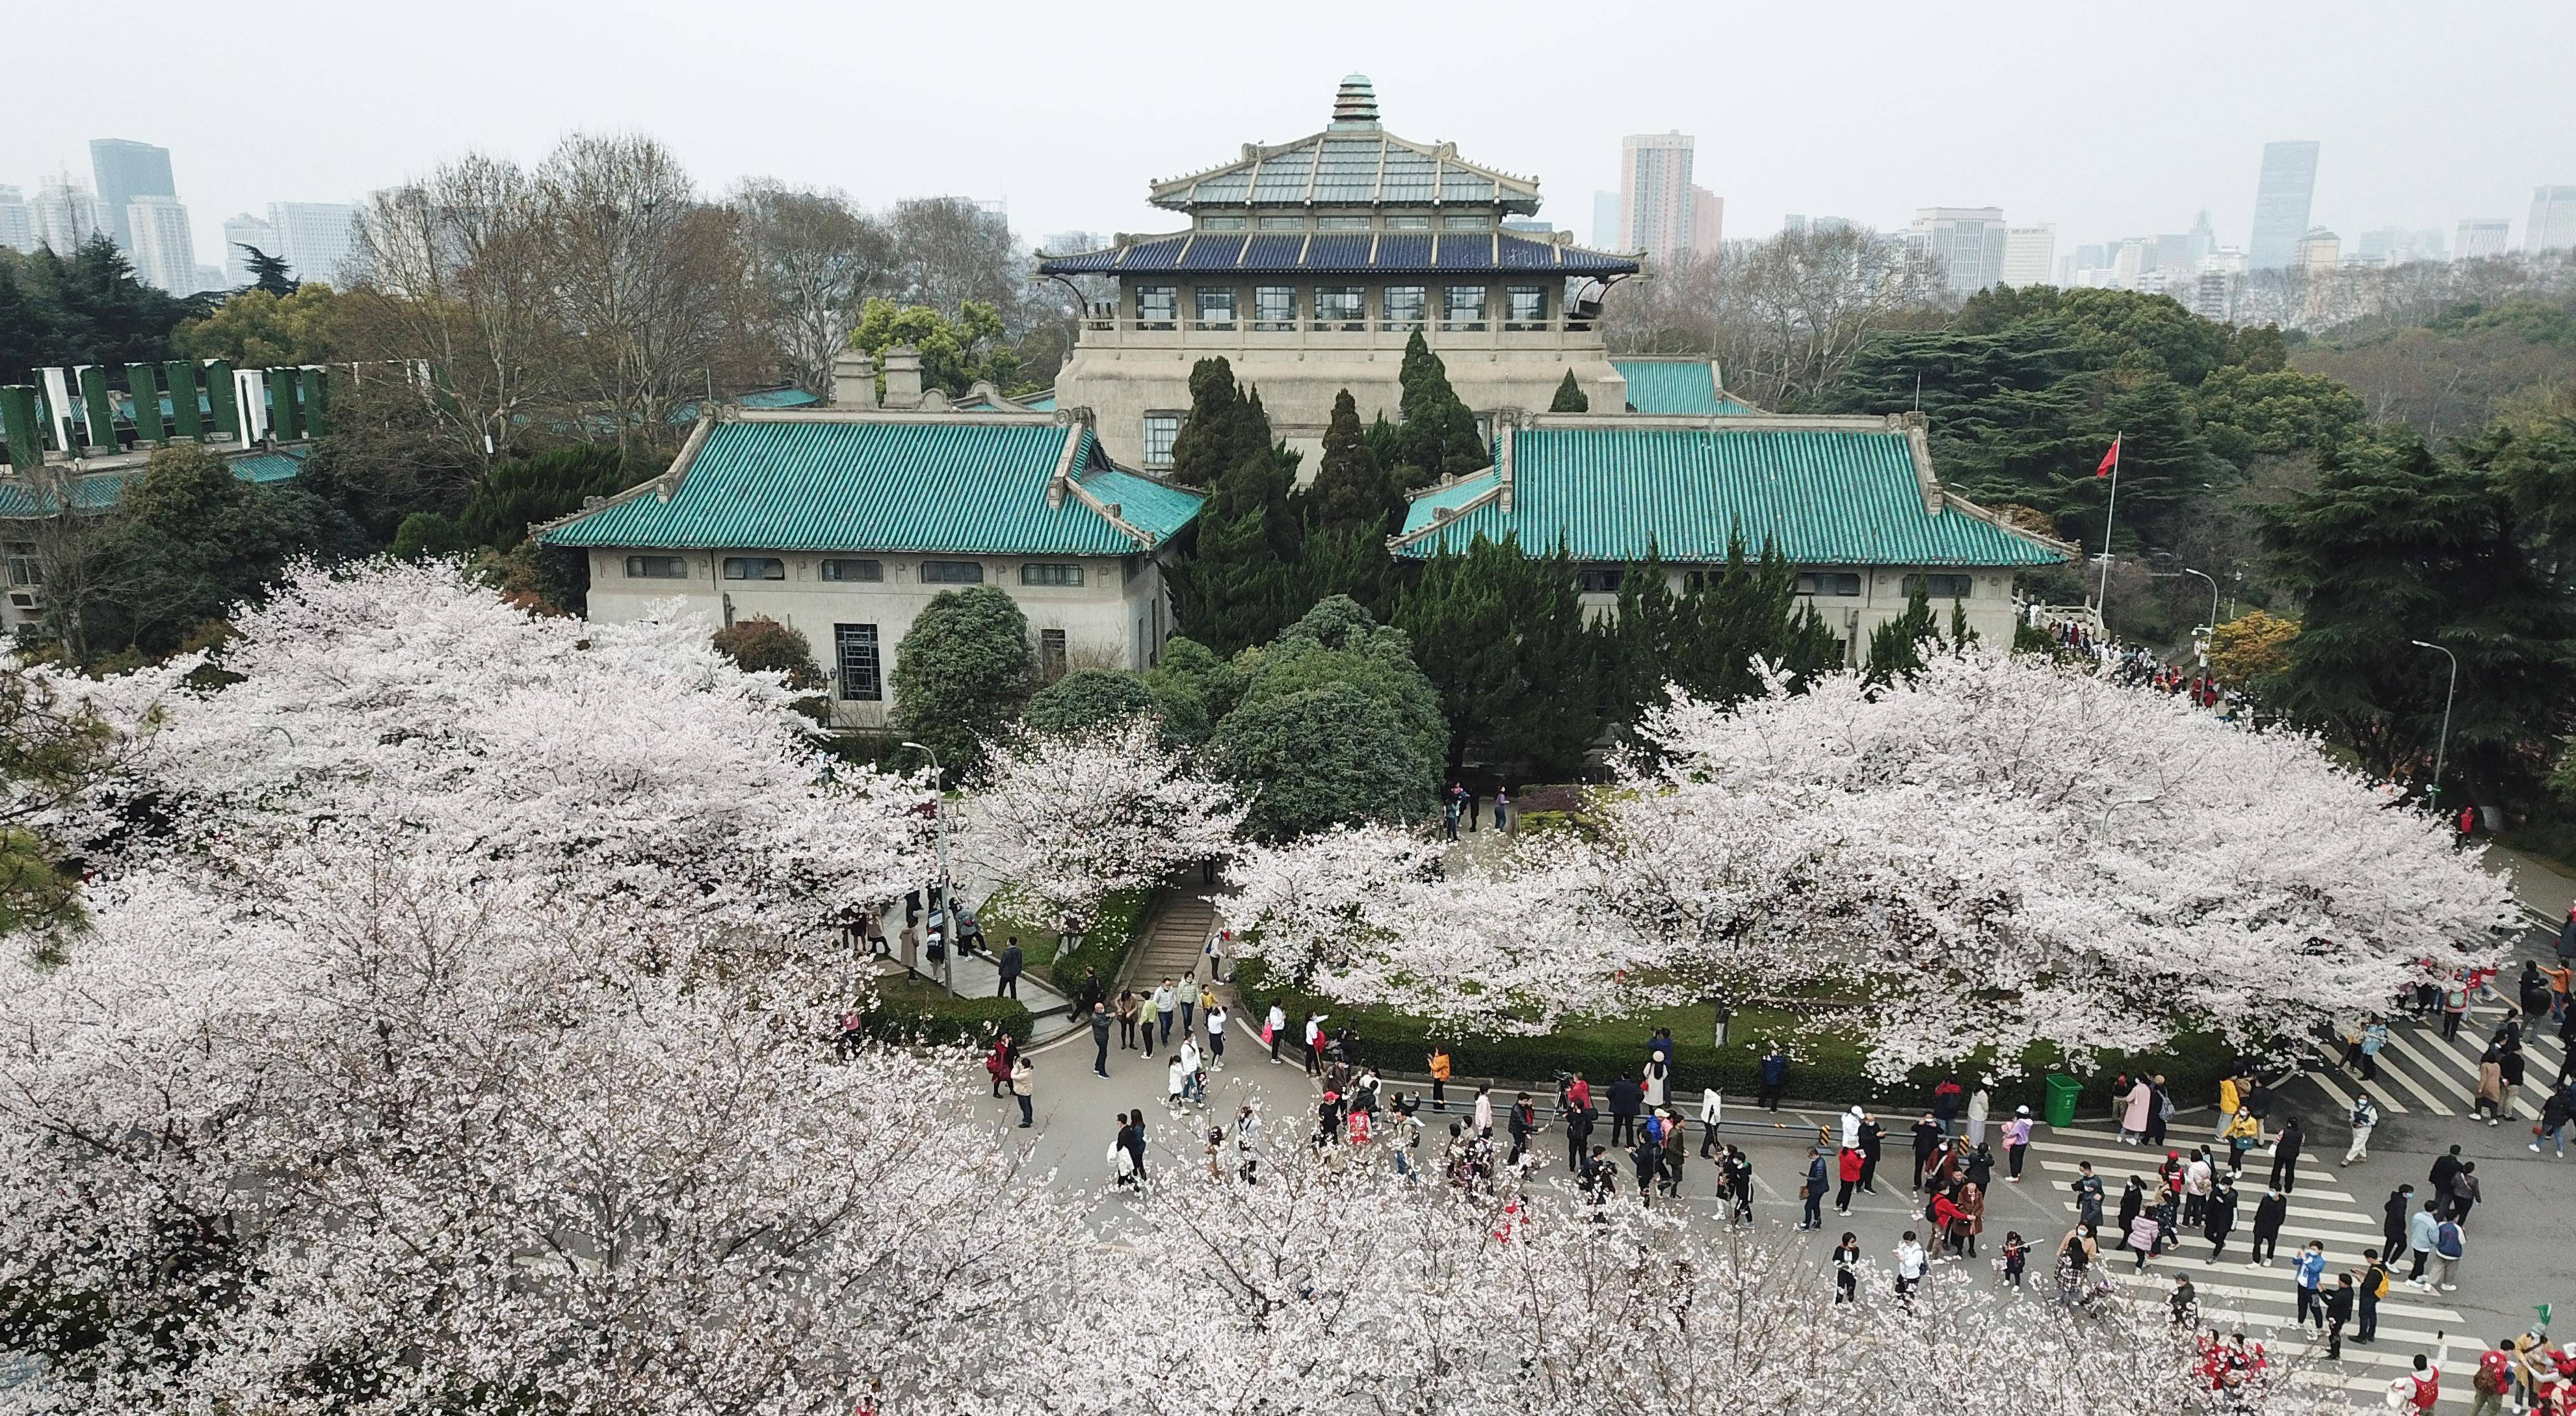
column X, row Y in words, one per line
column 2199, row 241
column 2211, row 295
column 65, row 214
column 2029, row 253
column 163, row 252
column 1968, row 241
column 1655, row 195
column 2281, row 201
column 17, row 223
column 245, row 230
column 1708, row 222
column 2552, row 224
column 125, row 170
column 1605, row 220
column 1816, row 225
column 315, row 238
column 2481, row 236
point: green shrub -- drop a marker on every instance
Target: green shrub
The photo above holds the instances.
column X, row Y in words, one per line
column 1111, row 939
column 1825, row 1066
column 908, row 1010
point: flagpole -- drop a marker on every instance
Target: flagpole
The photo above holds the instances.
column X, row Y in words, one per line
column 2102, row 597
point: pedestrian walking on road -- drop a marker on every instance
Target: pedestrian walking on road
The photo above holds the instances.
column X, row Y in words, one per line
column 2016, row 1142
column 2365, row 1118
column 2373, row 1287
column 2088, row 1195
column 2392, row 1221
column 1849, row 1162
column 2269, row 1212
column 2218, row 1217
column 2133, row 1198
column 1978, row 1105
column 1216, row 1021
column 1024, row 1076
column 2285, row 1156
column 1911, row 1264
column 1127, row 1011
column 1273, row 1029
column 1438, row 1063
column 2307, row 1272
column 2421, row 1231
column 1100, row 1039
column 2338, row 1303
column 2135, row 1108
column 1009, row 964
column 1626, row 1099
column 1739, row 1183
column 1927, row 1137
column 2014, row 1258
column 2464, row 1192
column 1712, row 1111
column 2490, row 1099
column 1148, row 1012
column 1847, row 1269
column 2374, row 1037
column 1167, row 1002
column 1811, row 1191
column 1524, row 1124
column 1188, row 996
column 1873, row 1137
column 1314, row 1041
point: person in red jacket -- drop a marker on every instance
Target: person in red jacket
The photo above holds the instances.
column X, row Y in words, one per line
column 1852, row 1165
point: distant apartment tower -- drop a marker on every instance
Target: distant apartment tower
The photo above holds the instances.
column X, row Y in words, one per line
column 2481, row 236
column 2211, row 295
column 126, row 169
column 1708, row 222
column 65, row 214
column 164, row 253
column 245, row 230
column 1655, row 195
column 315, row 239
column 2281, row 201
column 1968, row 241
column 2030, row 252
column 2552, row 224
column 17, row 223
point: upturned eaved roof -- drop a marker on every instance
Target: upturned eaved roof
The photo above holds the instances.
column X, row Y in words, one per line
column 1210, row 253
column 1678, row 386
column 1825, row 491
column 960, row 483
column 1353, row 162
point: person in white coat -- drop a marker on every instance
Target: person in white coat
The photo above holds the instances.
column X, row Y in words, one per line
column 1978, row 1104
column 1851, row 1129
column 1711, row 1111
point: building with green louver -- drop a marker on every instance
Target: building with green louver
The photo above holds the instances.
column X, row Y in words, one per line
column 1852, row 502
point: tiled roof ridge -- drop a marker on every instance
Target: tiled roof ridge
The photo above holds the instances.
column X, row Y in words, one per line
column 1255, row 154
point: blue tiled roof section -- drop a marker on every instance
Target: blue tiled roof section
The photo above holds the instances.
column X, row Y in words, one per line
column 963, row 488
column 1427, row 507
column 780, row 398
column 1039, row 402
column 278, row 465
column 1326, row 254
column 1151, row 507
column 101, row 490
column 1824, row 496
column 1213, row 252
column 1678, row 386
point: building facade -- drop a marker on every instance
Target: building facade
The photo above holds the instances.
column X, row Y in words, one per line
column 1968, row 241
column 65, row 214
column 125, row 170
column 17, row 222
column 2281, row 199
column 2552, row 223
column 315, row 239
column 1708, row 223
column 843, row 522
column 1310, row 264
column 2482, row 236
column 1852, row 502
column 164, row 251
column 243, row 230
column 2030, row 254
column 1655, row 194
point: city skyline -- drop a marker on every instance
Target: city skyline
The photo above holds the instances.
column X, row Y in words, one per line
column 2403, row 157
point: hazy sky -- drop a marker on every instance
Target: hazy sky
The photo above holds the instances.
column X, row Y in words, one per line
column 2109, row 120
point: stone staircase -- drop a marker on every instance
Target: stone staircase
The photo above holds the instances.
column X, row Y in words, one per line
column 1182, row 923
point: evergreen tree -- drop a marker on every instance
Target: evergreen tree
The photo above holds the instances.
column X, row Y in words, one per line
column 1237, row 583
column 268, row 272
column 1746, row 609
column 1222, row 430
column 1896, row 647
column 1570, row 397
column 1350, row 491
column 1438, row 435
column 962, row 672
column 1554, row 717
column 1458, row 612
column 1636, row 639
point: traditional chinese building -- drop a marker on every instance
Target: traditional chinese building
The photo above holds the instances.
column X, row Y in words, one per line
column 1309, row 264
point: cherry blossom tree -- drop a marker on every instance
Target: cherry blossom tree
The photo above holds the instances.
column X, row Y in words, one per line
column 1062, row 820
column 1991, row 854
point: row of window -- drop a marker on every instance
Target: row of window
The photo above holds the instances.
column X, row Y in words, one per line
column 1274, row 307
column 859, row 665
column 1606, row 580
column 933, row 572
column 1453, row 221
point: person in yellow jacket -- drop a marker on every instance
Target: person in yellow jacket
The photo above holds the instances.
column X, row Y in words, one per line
column 1439, row 1077
column 2243, row 1134
column 2228, row 1103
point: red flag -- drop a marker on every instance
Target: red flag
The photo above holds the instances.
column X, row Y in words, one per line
column 2110, row 460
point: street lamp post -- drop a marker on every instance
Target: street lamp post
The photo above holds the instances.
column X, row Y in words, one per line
column 947, row 903
column 2442, row 745
column 2213, row 594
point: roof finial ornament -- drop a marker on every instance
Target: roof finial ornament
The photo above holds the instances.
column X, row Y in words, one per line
column 1354, row 104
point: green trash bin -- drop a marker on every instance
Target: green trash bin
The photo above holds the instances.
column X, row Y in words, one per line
column 2062, row 1091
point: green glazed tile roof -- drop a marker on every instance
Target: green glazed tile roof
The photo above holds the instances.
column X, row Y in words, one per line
column 101, row 490
column 1824, row 496
column 273, row 466
column 830, row 486
column 1676, row 386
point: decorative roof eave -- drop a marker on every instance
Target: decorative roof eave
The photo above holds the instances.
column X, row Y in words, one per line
column 1587, row 262
column 2066, row 550
column 1441, row 517
column 1517, row 193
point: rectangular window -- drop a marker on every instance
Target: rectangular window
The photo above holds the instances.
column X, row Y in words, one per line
column 24, row 566
column 1274, row 307
column 753, row 568
column 1525, row 306
column 1216, row 307
column 1160, row 429
column 1283, row 223
column 1941, row 587
column 1404, row 306
column 853, row 570
column 1601, row 579
column 657, row 568
column 1341, row 223
column 1051, row 654
column 1463, row 307
column 1220, row 223
column 1457, row 222
column 1035, row 573
column 1828, row 582
column 952, row 572
column 1157, row 306
column 854, row 650
column 1337, row 307
column 1408, row 223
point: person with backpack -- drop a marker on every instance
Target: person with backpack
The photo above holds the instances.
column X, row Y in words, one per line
column 2373, row 1287
column 2455, row 1005
column 2365, row 1117
column 1811, row 1192
column 2492, row 1381
column 2450, row 1245
column 2285, row 1156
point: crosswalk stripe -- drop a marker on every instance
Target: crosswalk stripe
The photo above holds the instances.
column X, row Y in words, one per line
column 2244, row 1202
column 2437, row 1071
column 2392, row 1305
column 2466, row 1053
column 2388, row 1067
column 2145, row 1158
column 2325, row 1084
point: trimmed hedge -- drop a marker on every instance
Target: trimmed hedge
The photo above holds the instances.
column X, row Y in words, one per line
column 1105, row 947
column 1824, row 1067
column 913, row 1012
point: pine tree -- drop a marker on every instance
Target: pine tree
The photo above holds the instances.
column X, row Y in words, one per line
column 1223, row 428
column 1570, row 397
column 1637, row 639
column 1552, row 715
column 1350, row 491
column 1458, row 612
column 1239, row 581
column 1746, row 609
column 1896, row 647
column 1438, row 435
column 268, row 272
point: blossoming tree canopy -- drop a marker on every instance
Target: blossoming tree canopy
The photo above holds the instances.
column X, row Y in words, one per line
column 407, row 696
column 1062, row 820
column 1992, row 854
